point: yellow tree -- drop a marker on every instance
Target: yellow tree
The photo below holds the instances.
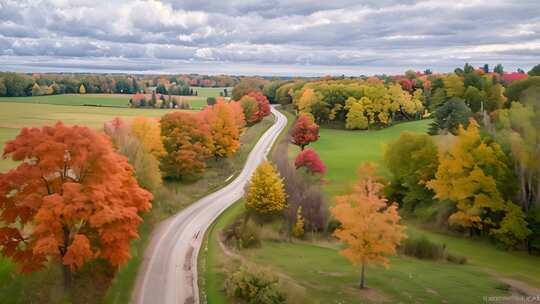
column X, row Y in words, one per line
column 356, row 119
column 265, row 194
column 82, row 89
column 369, row 226
column 473, row 174
column 148, row 133
column 454, row 86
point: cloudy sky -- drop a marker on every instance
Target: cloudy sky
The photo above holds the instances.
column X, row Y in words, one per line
column 267, row 37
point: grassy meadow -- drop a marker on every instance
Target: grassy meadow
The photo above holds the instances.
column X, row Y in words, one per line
column 15, row 115
column 98, row 100
column 327, row 277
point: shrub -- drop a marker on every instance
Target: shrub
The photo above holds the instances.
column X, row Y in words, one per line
column 422, row 248
column 255, row 286
column 456, row 259
column 243, row 234
column 211, row 101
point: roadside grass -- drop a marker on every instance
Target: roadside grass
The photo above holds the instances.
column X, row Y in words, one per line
column 210, row 92
column 216, row 176
column 212, row 261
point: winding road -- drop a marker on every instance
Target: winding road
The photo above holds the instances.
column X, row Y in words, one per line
column 168, row 273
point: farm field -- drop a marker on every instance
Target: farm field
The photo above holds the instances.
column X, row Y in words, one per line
column 210, row 92
column 14, row 116
column 104, row 100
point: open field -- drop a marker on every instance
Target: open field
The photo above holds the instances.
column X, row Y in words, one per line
column 105, row 100
column 327, row 277
column 343, row 151
column 14, row 116
column 210, row 92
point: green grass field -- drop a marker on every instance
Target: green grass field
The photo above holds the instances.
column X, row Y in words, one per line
column 14, row 116
column 104, row 100
column 110, row 100
column 329, row 278
column 210, row 92
column 344, row 151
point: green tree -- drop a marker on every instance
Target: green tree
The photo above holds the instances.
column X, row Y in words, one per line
column 499, row 69
column 474, row 98
column 449, row 116
column 514, row 92
column 3, row 90
column 535, row 71
column 413, row 160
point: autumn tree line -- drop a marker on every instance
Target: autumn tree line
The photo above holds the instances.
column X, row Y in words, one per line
column 37, row 84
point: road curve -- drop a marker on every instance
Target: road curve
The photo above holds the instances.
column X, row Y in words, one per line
column 168, row 274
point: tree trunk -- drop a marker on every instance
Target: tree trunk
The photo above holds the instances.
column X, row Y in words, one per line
column 68, row 279
column 362, row 276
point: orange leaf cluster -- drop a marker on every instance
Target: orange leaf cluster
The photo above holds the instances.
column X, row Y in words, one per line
column 72, row 197
column 190, row 138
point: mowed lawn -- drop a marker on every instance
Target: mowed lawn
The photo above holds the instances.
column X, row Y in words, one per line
column 15, row 115
column 343, row 151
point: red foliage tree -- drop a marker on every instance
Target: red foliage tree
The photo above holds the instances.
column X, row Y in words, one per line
column 310, row 160
column 72, row 198
column 188, row 144
column 305, row 131
column 264, row 105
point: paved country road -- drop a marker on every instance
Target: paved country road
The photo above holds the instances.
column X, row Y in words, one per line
column 168, row 273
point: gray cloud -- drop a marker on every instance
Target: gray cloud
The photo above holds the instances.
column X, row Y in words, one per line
column 269, row 35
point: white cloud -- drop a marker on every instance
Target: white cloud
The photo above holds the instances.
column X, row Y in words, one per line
column 374, row 34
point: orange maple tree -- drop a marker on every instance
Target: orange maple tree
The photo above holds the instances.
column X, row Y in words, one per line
column 238, row 113
column 72, row 198
column 223, row 128
column 369, row 226
column 188, row 144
